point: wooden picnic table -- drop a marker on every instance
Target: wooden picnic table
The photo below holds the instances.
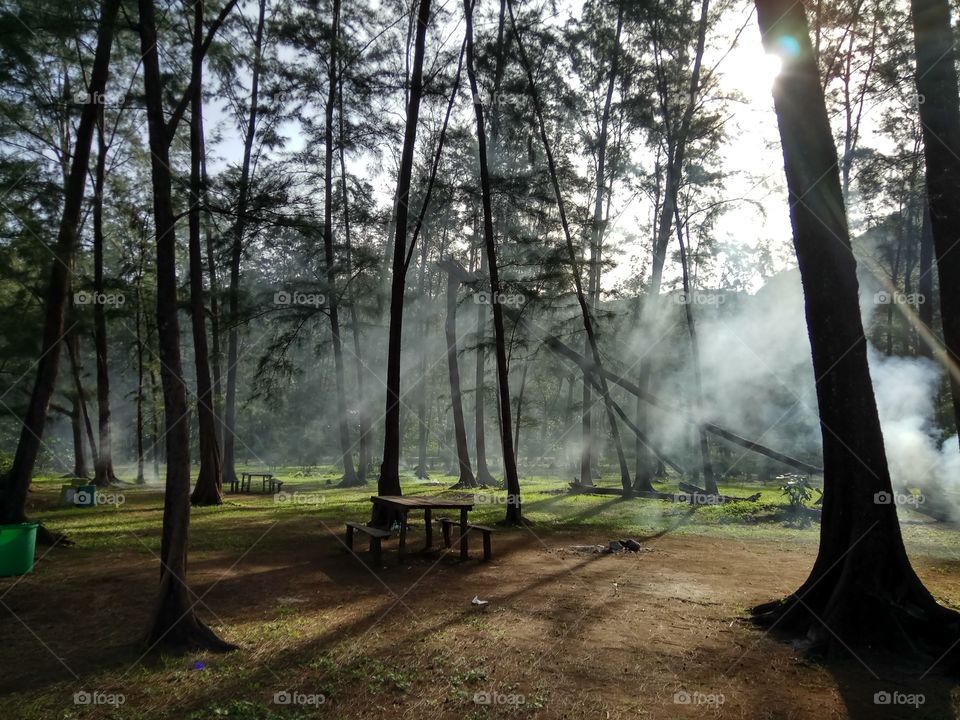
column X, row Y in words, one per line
column 406, row 503
column 265, row 477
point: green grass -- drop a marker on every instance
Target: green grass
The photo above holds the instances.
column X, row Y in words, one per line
column 311, row 495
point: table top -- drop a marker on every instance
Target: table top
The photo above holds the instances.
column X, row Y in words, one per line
column 259, row 474
column 421, row 502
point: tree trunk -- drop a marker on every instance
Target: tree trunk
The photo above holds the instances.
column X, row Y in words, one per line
column 216, row 358
column 140, row 377
column 14, row 485
column 466, row 478
column 389, row 480
column 174, row 623
column 423, row 420
column 862, row 590
column 596, row 239
column 236, row 252
column 103, row 473
column 209, row 487
column 76, row 372
column 79, row 454
column 511, row 480
column 346, row 447
column 484, row 477
column 925, row 284
column 940, row 118
column 709, row 479
column 572, row 258
column 363, row 459
column 676, row 155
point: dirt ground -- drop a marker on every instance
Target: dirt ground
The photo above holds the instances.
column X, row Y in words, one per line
column 659, row 634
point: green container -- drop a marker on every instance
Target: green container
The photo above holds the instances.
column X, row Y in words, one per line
column 17, row 545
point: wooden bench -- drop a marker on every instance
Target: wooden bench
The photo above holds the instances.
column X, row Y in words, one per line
column 275, row 485
column 376, row 538
column 447, row 523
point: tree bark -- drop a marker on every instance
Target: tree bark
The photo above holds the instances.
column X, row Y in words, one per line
column 862, row 590
column 103, row 473
column 940, row 118
column 389, row 480
column 466, row 478
column 209, row 487
column 511, row 480
column 174, row 623
column 236, row 252
column 14, row 485
column 925, row 284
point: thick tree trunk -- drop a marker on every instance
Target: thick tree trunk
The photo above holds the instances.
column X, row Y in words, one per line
column 862, row 590
column 572, row 259
column 14, row 485
column 236, row 252
column 466, row 478
column 389, row 480
column 174, row 623
column 209, row 487
column 343, row 426
column 103, row 473
column 511, row 480
column 940, row 118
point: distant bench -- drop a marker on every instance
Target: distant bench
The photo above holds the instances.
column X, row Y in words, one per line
column 268, row 482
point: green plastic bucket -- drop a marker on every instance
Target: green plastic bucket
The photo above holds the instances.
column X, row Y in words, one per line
column 17, row 544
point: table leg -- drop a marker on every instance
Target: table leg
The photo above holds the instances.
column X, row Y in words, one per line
column 403, row 535
column 463, row 534
column 428, row 526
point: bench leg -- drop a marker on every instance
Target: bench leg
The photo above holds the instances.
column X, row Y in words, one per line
column 403, row 535
column 376, row 550
column 428, row 526
column 463, row 534
column 445, row 529
column 487, row 547
column 349, row 538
